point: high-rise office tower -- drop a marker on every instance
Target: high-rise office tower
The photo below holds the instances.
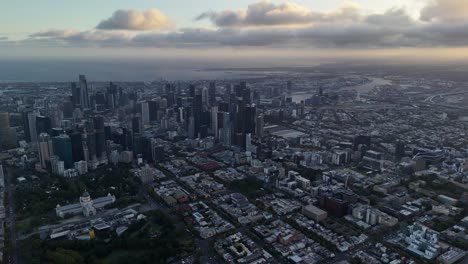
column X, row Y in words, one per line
column 399, row 150
column 45, row 149
column 250, row 118
column 29, row 125
column 25, row 119
column 91, row 139
column 259, row 124
column 76, row 95
column 205, row 96
column 100, row 136
column 112, row 96
column 63, row 149
column 84, row 92
column 192, row 90
column 145, row 113
column 212, row 93
column 153, row 107
column 214, row 121
column 67, row 109
column 43, row 125
column 77, row 146
column 137, row 127
column 197, row 113
column 227, row 129
column 191, row 127
column 246, row 95
column 7, row 134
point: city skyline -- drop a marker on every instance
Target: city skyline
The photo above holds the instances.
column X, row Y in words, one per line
column 223, row 132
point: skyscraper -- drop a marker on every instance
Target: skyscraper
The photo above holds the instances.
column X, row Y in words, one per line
column 63, row 149
column 77, row 146
column 91, row 139
column 7, row 134
column 399, row 150
column 214, row 121
column 145, row 113
column 76, row 94
column 136, row 125
column 192, row 90
column 212, row 93
column 43, row 125
column 250, row 118
column 45, row 149
column 84, row 96
column 197, row 113
column 227, row 129
column 30, row 130
column 259, row 124
column 100, row 136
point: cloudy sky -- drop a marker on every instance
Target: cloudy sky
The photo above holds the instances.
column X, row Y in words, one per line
column 359, row 28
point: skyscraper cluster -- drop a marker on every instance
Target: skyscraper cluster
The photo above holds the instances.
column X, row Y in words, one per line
column 111, row 123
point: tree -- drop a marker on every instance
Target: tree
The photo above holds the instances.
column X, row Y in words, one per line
column 64, row 256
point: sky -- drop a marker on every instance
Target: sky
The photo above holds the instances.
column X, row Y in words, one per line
column 226, row 28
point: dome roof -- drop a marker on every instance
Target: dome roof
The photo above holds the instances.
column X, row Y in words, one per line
column 85, row 194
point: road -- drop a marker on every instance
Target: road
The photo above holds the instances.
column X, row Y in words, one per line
column 10, row 189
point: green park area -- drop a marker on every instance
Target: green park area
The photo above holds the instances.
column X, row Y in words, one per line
column 155, row 239
column 36, row 199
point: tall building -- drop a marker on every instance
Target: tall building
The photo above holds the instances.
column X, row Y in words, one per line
column 7, row 134
column 137, row 125
column 100, row 136
column 205, row 96
column 197, row 113
column 2, row 177
column 153, row 107
column 43, row 125
column 145, row 113
column 63, row 150
column 192, row 91
column 90, row 137
column 250, row 118
column 29, row 126
column 45, row 149
column 399, row 150
column 214, row 121
column 212, row 93
column 227, row 129
column 84, row 96
column 77, row 146
column 76, row 95
column 259, row 124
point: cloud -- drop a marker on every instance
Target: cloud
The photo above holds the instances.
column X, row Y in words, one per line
column 3, row 38
column 445, row 10
column 265, row 13
column 264, row 24
column 151, row 19
column 54, row 33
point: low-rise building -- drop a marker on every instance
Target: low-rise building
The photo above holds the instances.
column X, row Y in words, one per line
column 314, row 213
column 86, row 206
